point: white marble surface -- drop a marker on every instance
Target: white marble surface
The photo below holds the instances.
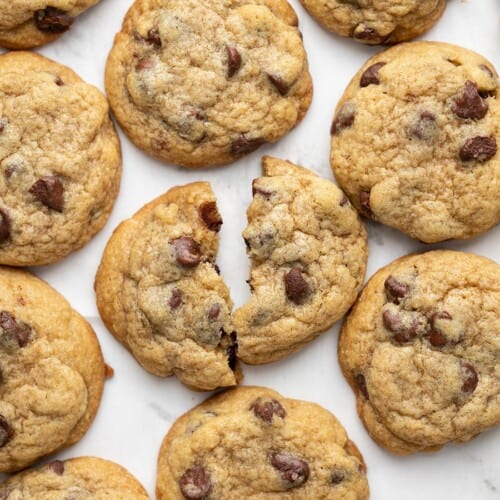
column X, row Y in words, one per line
column 137, row 408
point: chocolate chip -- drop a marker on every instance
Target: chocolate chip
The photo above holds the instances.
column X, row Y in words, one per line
column 216, row 268
column 49, row 191
column 281, row 86
column 213, row 312
column 366, row 34
column 292, row 470
column 364, row 201
column 144, row 64
column 59, row 81
column 6, row 431
column 210, row 215
column 233, row 61
column 343, row 201
column 395, row 290
column 469, row 376
column 154, row 37
column 403, row 330
column 344, row 118
column 108, row 371
column 53, row 20
column 231, row 352
column 370, row 75
column 258, row 190
column 424, row 127
column 175, row 299
column 195, row 483
column 436, row 336
column 2, row 126
column 487, row 69
column 244, row 145
column 468, row 103
column 361, row 383
column 338, row 475
column 20, row 331
column 57, row 466
column 187, row 251
column 478, row 148
column 4, row 225
column 296, row 287
column 266, row 410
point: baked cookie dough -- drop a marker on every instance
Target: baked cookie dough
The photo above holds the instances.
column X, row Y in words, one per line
column 376, row 21
column 82, row 478
column 204, row 82
column 308, row 250
column 51, row 371
column 160, row 294
column 421, row 350
column 250, row 442
column 414, row 141
column 60, row 161
column 25, row 24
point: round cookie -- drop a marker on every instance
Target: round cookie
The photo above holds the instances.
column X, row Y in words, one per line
column 51, row 371
column 60, row 161
column 414, row 141
column 250, row 442
column 202, row 83
column 159, row 291
column 376, row 21
column 421, row 351
column 25, row 24
column 308, row 250
column 82, row 478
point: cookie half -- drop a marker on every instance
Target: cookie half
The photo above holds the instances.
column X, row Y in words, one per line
column 252, row 442
column 76, row 478
column 51, row 371
column 376, row 22
column 414, row 141
column 420, row 349
column 159, row 291
column 308, row 250
column 29, row 23
column 201, row 83
column 60, row 160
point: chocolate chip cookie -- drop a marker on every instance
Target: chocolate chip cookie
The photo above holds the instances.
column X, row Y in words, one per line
column 414, row 141
column 376, row 21
column 159, row 292
column 28, row 23
column 201, row 83
column 74, row 479
column 60, row 161
column 250, row 442
column 308, row 250
column 51, row 371
column 421, row 350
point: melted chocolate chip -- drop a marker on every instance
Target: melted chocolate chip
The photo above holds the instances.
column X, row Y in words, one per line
column 231, row 352
column 469, row 376
column 487, row 69
column 468, row 103
column 6, row 431
column 195, row 483
column 296, row 287
column 361, row 383
column 53, row 20
column 424, row 127
column 144, row 64
column 59, row 82
column 213, row 312
column 478, row 148
column 210, row 215
column 281, row 85
column 49, row 191
column 370, row 75
column 233, row 61
column 244, row 145
column 175, row 299
column 187, row 252
column 436, row 336
column 154, row 37
column 15, row 329
column 366, row 34
column 57, row 466
column 402, row 331
column 344, row 118
column 2, row 126
column 292, row 470
column 5, row 225
column 338, row 475
column 216, row 268
column 395, row 290
column 258, row 190
column 266, row 410
column 364, row 201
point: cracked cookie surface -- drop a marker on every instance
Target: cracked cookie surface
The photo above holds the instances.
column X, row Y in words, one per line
column 252, row 442
column 308, row 250
column 25, row 24
column 376, row 21
column 51, row 371
column 421, row 350
column 60, row 160
column 201, row 83
column 414, row 141
column 82, row 478
column 159, row 292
